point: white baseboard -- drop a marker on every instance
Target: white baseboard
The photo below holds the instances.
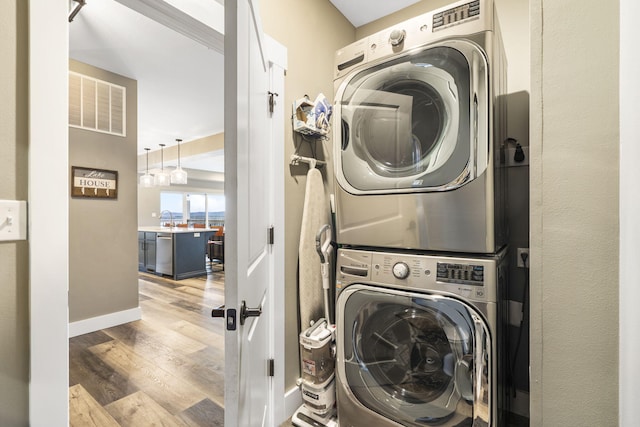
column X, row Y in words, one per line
column 93, row 324
column 292, row 401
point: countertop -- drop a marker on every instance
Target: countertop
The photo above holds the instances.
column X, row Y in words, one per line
column 175, row 230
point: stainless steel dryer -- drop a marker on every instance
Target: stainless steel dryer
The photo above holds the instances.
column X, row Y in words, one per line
column 419, row 340
column 422, row 127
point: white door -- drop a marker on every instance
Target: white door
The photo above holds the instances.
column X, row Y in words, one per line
column 253, row 207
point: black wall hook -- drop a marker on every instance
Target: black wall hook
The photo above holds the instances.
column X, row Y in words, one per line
column 518, row 157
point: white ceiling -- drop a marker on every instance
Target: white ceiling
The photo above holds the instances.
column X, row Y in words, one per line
column 360, row 12
column 180, row 82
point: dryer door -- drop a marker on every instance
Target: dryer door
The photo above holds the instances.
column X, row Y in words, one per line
column 413, row 358
column 410, row 124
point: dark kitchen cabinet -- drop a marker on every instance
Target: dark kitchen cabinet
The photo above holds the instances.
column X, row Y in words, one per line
column 188, row 252
column 146, row 251
column 141, row 251
column 189, row 255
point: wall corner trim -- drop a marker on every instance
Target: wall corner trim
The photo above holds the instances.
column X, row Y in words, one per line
column 105, row 321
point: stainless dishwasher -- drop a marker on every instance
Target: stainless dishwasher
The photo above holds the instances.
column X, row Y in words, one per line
column 164, row 253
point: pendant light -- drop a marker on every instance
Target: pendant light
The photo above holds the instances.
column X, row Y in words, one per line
column 162, row 179
column 146, row 180
column 178, row 175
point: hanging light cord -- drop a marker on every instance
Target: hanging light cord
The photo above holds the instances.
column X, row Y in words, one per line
column 161, row 157
column 178, row 140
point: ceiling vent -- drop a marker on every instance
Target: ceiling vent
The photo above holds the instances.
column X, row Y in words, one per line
column 96, row 105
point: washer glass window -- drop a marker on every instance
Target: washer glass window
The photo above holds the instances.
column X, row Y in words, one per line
column 405, row 123
column 414, row 358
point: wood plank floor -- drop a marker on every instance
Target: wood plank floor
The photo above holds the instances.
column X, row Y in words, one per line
column 164, row 370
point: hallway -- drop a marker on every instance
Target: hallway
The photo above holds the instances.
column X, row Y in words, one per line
column 166, row 369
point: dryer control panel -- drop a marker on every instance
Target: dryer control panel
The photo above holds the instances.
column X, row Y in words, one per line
column 456, row 14
column 467, row 274
column 457, row 20
column 471, row 278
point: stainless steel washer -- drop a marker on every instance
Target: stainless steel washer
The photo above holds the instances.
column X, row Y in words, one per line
column 419, row 339
column 422, row 125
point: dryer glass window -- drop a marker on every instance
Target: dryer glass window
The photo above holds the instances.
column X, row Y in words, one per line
column 405, row 123
column 416, row 359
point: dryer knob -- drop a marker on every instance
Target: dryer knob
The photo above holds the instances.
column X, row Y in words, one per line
column 401, row 270
column 396, row 37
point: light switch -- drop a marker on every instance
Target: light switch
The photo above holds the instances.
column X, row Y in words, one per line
column 13, row 220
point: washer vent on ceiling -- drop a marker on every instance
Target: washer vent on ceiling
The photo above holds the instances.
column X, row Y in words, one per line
column 97, row 105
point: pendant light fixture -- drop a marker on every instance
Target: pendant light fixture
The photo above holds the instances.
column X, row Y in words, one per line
column 146, row 180
column 162, row 179
column 178, row 175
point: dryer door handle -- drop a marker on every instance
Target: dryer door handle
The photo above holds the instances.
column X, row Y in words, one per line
column 345, row 135
column 476, row 117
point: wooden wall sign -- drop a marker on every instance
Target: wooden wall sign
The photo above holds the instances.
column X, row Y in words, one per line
column 94, row 183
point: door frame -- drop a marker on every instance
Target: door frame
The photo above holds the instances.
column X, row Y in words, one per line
column 277, row 56
column 49, row 211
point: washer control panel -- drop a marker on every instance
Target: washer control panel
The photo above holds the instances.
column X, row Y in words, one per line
column 401, row 270
column 472, row 278
column 467, row 274
column 397, row 37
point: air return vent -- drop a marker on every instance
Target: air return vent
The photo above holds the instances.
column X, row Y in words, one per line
column 96, row 105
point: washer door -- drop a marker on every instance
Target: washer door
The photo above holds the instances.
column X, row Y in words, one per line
column 410, row 123
column 414, row 358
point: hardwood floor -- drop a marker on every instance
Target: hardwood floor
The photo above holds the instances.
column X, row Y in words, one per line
column 164, row 370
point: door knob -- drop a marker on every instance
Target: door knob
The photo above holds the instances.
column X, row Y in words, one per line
column 230, row 314
column 248, row 312
column 218, row 311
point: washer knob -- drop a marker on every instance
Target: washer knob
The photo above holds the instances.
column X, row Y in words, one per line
column 397, row 37
column 401, row 270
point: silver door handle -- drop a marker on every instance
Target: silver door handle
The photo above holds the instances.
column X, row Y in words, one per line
column 248, row 312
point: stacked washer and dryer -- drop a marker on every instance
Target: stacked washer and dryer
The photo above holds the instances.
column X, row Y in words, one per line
column 420, row 222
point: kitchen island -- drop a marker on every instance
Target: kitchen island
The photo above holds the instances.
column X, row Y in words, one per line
column 178, row 252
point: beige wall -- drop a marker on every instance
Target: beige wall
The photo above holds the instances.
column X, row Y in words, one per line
column 311, row 31
column 14, row 262
column 197, row 147
column 574, row 213
column 103, row 245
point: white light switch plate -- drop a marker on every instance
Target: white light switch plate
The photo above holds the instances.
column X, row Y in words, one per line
column 13, row 220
